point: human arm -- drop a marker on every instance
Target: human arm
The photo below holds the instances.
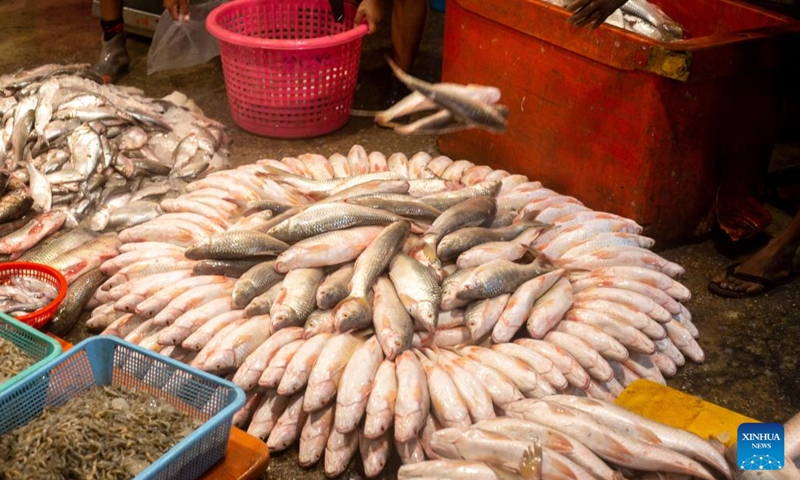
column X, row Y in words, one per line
column 177, row 8
column 372, row 12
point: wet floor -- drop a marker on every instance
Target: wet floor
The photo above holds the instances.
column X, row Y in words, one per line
column 751, row 345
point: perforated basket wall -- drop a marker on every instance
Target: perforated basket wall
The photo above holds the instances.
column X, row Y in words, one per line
column 34, row 343
column 44, row 273
column 290, row 70
column 110, row 361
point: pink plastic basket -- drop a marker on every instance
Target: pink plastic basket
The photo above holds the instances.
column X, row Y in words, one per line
column 290, row 69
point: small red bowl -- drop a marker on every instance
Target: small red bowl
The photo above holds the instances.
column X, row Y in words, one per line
column 39, row 318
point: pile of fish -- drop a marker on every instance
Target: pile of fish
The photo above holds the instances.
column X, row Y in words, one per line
column 643, row 18
column 457, row 107
column 73, row 150
column 364, row 302
column 21, row 295
column 563, row 436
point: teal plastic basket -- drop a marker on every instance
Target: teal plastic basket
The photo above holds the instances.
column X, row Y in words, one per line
column 109, row 361
column 34, row 343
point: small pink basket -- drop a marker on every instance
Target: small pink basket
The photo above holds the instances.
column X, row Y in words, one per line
column 290, row 69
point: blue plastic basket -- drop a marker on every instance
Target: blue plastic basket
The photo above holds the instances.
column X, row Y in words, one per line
column 109, row 361
column 34, row 343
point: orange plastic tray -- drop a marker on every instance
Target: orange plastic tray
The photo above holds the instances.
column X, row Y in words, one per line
column 246, row 459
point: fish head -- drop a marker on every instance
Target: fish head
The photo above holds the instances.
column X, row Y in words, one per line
column 282, row 314
column 350, row 312
column 395, row 345
column 285, row 259
column 280, row 231
column 467, row 288
column 324, row 296
column 519, row 408
column 99, row 220
column 444, row 442
column 219, row 361
column 199, row 250
column 428, row 313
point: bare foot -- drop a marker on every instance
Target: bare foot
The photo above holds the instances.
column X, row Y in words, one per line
column 771, row 264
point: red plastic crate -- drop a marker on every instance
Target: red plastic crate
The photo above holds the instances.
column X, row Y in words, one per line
column 626, row 124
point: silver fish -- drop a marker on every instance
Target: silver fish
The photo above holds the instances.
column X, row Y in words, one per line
column 254, row 282
column 354, row 311
column 85, row 146
column 235, row 244
column 325, row 217
column 462, row 107
column 418, row 289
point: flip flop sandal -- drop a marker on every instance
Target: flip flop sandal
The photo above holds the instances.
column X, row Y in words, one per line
column 766, row 283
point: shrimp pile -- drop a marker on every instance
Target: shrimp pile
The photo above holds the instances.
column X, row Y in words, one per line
column 108, row 432
column 12, row 360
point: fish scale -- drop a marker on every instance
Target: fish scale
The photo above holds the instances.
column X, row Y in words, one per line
column 50, row 250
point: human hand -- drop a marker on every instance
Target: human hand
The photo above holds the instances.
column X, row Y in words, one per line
column 372, row 11
column 592, row 12
column 178, row 9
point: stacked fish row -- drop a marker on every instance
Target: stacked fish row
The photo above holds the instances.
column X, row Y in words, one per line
column 351, row 296
column 73, row 149
column 571, row 437
column 565, row 437
column 639, row 16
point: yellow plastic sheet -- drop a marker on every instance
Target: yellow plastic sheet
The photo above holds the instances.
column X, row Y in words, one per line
column 681, row 410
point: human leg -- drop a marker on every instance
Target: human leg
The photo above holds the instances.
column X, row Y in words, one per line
column 408, row 22
column 114, row 54
column 111, row 10
column 769, row 266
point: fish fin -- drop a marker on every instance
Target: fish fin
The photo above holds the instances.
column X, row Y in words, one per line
column 279, row 298
column 648, row 436
column 530, row 467
column 502, row 473
column 618, row 452
column 560, row 444
column 542, row 261
column 526, row 216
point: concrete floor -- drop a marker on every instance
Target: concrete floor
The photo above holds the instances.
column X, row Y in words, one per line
column 751, row 345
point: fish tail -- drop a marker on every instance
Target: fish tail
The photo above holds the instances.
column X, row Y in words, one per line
column 411, row 82
column 542, row 261
column 399, row 73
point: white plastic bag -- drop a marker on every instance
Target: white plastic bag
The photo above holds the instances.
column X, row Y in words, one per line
column 183, row 43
